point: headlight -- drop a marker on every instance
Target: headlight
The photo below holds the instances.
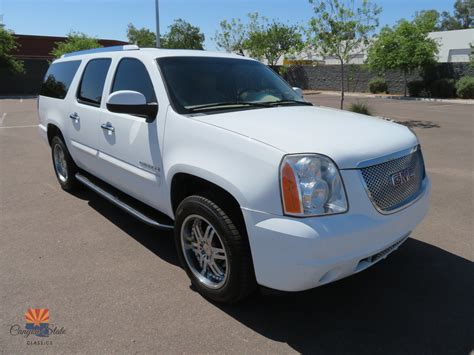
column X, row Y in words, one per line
column 311, row 186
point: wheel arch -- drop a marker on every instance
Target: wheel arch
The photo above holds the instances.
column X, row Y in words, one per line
column 184, row 184
column 52, row 131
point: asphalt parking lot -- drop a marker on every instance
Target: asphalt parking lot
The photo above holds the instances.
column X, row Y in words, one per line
column 114, row 284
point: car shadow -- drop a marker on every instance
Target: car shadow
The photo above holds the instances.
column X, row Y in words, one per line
column 159, row 242
column 418, row 124
column 417, row 301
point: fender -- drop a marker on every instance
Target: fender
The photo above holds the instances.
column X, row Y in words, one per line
column 245, row 168
column 205, row 175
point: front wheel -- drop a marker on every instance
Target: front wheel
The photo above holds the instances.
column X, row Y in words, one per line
column 213, row 251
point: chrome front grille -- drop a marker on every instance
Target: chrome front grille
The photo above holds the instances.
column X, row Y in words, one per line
column 395, row 183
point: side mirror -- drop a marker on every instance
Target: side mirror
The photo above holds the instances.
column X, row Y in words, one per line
column 132, row 103
column 299, row 92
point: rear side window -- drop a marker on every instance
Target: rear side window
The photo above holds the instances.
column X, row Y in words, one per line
column 58, row 78
column 131, row 74
column 93, row 80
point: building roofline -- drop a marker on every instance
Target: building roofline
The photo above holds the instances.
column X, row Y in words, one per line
column 64, row 37
column 460, row 30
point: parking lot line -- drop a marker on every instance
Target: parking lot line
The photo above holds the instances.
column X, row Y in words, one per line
column 30, row 126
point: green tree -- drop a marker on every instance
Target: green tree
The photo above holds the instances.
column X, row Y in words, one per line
column 232, row 36
column 464, row 13
column 8, row 45
column 405, row 47
column 462, row 17
column 340, row 29
column 429, row 20
column 142, row 37
column 183, row 35
column 271, row 40
column 76, row 41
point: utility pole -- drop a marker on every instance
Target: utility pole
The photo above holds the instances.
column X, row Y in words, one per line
column 157, row 6
column 2, row 25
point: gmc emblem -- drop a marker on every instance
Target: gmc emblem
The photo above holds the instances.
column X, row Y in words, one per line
column 402, row 176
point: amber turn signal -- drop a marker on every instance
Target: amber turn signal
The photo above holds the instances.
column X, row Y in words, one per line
column 289, row 188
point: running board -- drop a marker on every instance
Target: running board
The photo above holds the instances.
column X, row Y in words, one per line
column 121, row 204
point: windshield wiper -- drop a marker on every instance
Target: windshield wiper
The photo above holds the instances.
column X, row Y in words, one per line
column 288, row 102
column 218, row 105
column 232, row 104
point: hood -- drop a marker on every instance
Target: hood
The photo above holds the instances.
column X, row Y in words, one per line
column 347, row 138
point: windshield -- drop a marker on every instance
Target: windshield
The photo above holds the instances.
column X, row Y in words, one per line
column 208, row 83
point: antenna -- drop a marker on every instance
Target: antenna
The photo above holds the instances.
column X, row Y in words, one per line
column 2, row 25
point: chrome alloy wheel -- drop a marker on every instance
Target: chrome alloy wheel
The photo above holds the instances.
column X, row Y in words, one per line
column 60, row 165
column 204, row 251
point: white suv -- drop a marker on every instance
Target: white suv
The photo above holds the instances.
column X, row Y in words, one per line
column 259, row 186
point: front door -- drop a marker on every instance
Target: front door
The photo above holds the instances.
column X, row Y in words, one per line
column 129, row 146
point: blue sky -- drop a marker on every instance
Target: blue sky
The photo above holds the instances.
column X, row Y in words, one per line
column 109, row 18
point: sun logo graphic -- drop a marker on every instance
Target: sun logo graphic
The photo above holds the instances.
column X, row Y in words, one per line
column 37, row 319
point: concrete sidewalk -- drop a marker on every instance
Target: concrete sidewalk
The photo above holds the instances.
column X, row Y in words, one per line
column 364, row 95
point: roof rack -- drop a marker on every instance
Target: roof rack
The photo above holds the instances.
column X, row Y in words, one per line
column 128, row 47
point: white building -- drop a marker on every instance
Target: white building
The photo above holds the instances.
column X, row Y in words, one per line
column 454, row 47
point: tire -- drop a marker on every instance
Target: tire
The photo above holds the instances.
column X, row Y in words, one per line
column 64, row 167
column 193, row 217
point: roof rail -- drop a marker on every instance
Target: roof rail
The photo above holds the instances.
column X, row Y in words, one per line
column 128, row 47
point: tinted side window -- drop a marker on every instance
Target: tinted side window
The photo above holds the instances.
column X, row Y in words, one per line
column 93, row 80
column 131, row 74
column 58, row 78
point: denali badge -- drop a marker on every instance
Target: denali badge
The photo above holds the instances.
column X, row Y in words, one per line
column 150, row 167
column 402, row 176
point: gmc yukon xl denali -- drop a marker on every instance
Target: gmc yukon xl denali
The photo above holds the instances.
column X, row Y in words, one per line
column 259, row 186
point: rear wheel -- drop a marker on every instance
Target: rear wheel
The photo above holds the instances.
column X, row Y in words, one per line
column 64, row 166
column 214, row 253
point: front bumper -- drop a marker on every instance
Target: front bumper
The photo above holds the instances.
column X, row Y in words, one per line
column 295, row 254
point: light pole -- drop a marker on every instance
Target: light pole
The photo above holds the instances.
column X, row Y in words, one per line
column 157, row 7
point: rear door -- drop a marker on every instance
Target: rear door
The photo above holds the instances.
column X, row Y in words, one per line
column 54, row 97
column 129, row 145
column 85, row 113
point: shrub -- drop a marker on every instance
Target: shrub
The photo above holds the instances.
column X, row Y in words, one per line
column 361, row 107
column 378, row 85
column 465, row 87
column 417, row 88
column 443, row 88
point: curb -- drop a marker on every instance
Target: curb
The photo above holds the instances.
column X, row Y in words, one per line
column 426, row 99
column 363, row 95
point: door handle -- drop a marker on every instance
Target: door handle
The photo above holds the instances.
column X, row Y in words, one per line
column 108, row 126
column 74, row 116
